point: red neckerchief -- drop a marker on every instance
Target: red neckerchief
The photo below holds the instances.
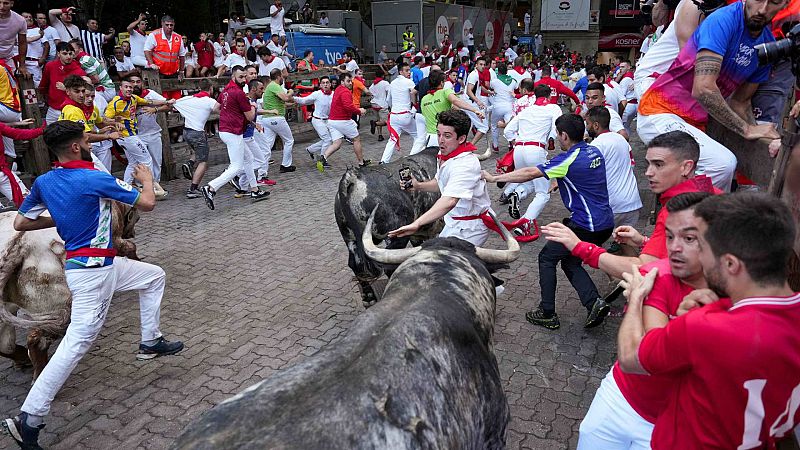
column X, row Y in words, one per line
column 520, row 70
column 85, row 109
column 361, row 79
column 485, row 79
column 202, row 94
column 463, row 148
column 30, row 27
column 432, row 91
column 144, row 93
column 377, row 80
column 542, row 101
column 628, row 74
column 76, row 164
column 326, row 93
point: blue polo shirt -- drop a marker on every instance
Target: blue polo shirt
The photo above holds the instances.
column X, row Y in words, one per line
column 581, row 176
column 79, row 201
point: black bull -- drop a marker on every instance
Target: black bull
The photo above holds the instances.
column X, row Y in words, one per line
column 360, row 189
column 416, row 371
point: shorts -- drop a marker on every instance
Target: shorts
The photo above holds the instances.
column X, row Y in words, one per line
column 769, row 100
column 199, row 143
column 342, row 128
column 380, row 114
column 629, row 218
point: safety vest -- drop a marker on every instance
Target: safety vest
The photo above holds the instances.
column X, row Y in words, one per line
column 164, row 56
column 408, row 40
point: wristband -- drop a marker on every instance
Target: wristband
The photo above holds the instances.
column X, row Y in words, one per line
column 588, row 253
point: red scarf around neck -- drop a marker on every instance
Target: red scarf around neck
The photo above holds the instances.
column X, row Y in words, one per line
column 76, row 164
column 463, row 148
column 202, row 94
column 87, row 110
column 542, row 101
column 520, row 70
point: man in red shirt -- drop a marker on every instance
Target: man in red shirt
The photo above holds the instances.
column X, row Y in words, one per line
column 733, row 371
column 54, row 74
column 626, row 406
column 557, row 87
column 341, row 124
column 235, row 115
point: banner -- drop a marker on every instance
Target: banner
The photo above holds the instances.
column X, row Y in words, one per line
column 610, row 41
column 565, row 15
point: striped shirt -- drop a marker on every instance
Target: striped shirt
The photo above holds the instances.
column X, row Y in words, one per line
column 93, row 43
column 125, row 108
column 92, row 66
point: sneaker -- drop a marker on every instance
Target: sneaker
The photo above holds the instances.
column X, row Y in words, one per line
column 285, row 169
column 310, row 154
column 372, row 126
column 501, row 184
column 26, row 436
column 257, row 196
column 503, row 199
column 380, row 137
column 193, row 193
column 208, row 195
column 241, row 193
column 365, row 163
column 541, row 318
column 160, row 192
column 597, row 313
column 322, row 163
column 161, row 348
column 524, row 230
column 235, row 183
column 266, row 182
column 271, row 161
column 513, row 205
column 188, row 169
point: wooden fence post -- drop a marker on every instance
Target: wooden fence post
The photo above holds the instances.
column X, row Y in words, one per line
column 37, row 157
column 152, row 80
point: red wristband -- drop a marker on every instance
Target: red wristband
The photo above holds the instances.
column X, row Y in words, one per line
column 588, row 253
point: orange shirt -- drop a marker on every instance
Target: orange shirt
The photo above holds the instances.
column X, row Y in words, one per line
column 358, row 88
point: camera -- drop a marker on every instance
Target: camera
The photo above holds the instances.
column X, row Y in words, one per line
column 786, row 48
column 405, row 178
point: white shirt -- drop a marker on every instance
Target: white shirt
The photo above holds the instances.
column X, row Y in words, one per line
column 235, row 59
column 321, row 101
column 126, row 65
column 150, row 43
column 220, row 53
column 473, row 78
column 537, row 75
column 265, row 68
column 511, row 55
column 426, row 71
column 65, row 33
column 276, row 23
column 661, row 53
column 612, row 93
column 147, row 122
column 448, row 85
column 460, row 177
column 276, row 49
column 195, row 111
column 351, row 66
column 35, row 48
column 503, row 93
column 324, row 21
column 51, row 35
column 380, row 94
column 462, row 53
column 400, row 94
column 623, row 191
column 615, row 124
column 535, row 123
column 626, row 89
column 517, row 77
column 137, row 41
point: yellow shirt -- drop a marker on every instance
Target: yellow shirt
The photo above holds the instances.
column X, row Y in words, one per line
column 126, row 109
column 7, row 91
column 74, row 114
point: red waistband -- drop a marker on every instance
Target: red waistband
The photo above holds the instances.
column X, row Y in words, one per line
column 487, row 221
column 401, row 112
column 538, row 144
column 89, row 251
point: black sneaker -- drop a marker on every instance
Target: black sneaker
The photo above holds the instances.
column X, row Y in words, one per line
column 188, row 169
column 597, row 313
column 161, row 348
column 257, row 196
column 285, row 169
column 208, row 195
column 365, row 163
column 193, row 193
column 380, row 137
column 543, row 319
column 234, row 183
column 311, row 154
column 372, row 126
column 26, row 436
column 513, row 205
column 240, row 193
column 503, row 199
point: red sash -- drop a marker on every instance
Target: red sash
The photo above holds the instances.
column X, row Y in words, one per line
column 487, row 220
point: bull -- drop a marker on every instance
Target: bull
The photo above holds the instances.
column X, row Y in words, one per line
column 33, row 286
column 416, row 371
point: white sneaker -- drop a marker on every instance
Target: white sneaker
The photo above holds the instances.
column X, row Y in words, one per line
column 498, row 290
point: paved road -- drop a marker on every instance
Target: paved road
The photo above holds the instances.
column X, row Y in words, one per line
column 252, row 288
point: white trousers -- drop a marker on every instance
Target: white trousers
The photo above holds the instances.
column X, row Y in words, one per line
column 398, row 123
column 139, row 60
column 500, row 111
column 277, row 126
column 611, row 423
column 8, row 115
column 481, row 125
column 324, row 133
column 422, row 134
column 261, row 154
column 52, row 115
column 152, row 141
column 247, row 178
column 628, row 115
column 530, row 156
column 102, row 150
column 429, row 140
column 92, row 290
column 35, row 71
column 5, row 185
column 716, row 161
column 137, row 153
column 240, row 159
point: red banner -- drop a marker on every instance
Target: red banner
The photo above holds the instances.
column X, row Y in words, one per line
column 619, row 40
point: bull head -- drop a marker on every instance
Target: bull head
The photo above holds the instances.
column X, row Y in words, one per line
column 487, row 255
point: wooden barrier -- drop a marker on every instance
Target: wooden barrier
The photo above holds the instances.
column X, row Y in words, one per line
column 36, row 156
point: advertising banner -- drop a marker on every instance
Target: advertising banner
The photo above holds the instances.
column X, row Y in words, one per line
column 565, row 15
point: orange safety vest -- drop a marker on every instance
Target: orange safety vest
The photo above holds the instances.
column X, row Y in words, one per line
column 164, row 56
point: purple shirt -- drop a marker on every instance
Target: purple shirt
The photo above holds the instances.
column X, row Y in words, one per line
column 10, row 27
column 234, row 103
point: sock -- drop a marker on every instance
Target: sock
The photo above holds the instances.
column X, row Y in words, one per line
column 193, row 187
column 150, row 342
column 34, row 421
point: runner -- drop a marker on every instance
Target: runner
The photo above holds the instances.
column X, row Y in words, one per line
column 274, row 120
column 437, row 100
column 195, row 110
column 321, row 100
column 401, row 117
column 341, row 124
column 502, row 102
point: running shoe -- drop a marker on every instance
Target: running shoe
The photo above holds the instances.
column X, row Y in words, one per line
column 162, row 347
column 264, row 181
column 188, row 169
column 208, row 195
column 235, row 183
column 257, row 196
column 322, row 163
column 543, row 319
column 503, row 199
column 193, row 193
column 240, row 193
column 367, row 162
column 597, row 313
column 26, row 436
column 285, row 169
column 513, row 205
column 380, row 137
column 310, row 154
column 372, row 126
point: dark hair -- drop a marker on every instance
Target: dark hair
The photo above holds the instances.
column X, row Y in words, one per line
column 418, row 59
column 401, row 66
column 573, row 125
column 264, row 51
column 252, row 84
column 236, row 68
column 126, row 78
column 436, row 78
column 204, row 84
column 687, row 200
column 680, row 143
column 596, row 87
column 598, row 72
column 457, row 119
column 59, row 135
column 237, row 40
column 547, row 71
column 74, row 82
column 527, row 85
column 541, row 91
column 274, row 74
column 519, row 61
column 429, row 60
column 755, row 227
column 76, row 43
column 464, row 59
column 344, row 76
column 324, row 77
column 502, row 68
column 481, row 58
column 306, row 53
column 64, row 46
column 600, row 115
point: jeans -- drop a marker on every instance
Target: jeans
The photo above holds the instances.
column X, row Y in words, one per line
column 553, row 253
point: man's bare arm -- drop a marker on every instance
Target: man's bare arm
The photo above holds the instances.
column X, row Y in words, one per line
column 741, row 104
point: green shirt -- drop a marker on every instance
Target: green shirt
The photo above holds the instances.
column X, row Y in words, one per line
column 271, row 99
column 432, row 105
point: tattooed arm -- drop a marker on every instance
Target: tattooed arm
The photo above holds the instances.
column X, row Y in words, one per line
column 706, row 71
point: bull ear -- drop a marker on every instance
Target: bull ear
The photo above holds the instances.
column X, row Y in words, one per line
column 383, row 255
column 493, row 256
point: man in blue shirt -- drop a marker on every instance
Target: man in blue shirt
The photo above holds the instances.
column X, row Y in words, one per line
column 581, row 175
column 79, row 198
column 416, row 71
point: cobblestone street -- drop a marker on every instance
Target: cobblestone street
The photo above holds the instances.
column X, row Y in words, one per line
column 252, row 288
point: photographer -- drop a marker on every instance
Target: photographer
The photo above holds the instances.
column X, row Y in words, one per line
column 718, row 63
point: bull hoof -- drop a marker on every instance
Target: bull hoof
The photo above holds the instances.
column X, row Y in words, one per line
column 367, row 304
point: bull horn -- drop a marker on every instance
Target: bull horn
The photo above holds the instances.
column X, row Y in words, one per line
column 493, row 256
column 485, row 155
column 383, row 255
